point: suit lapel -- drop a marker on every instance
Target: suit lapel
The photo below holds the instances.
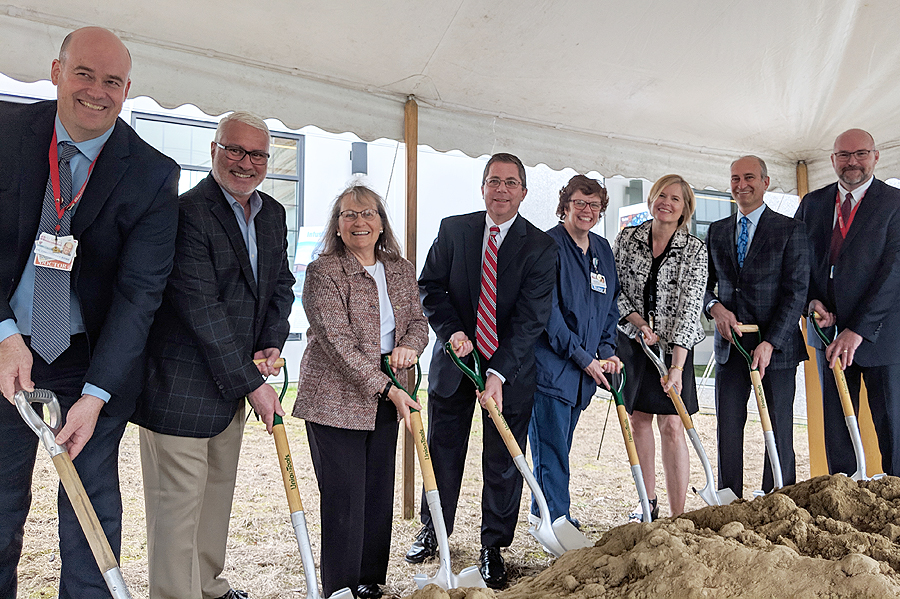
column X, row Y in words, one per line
column 110, row 168
column 473, row 237
column 512, row 243
column 35, row 172
column 730, row 245
column 268, row 247
column 222, row 211
column 865, row 214
column 759, row 238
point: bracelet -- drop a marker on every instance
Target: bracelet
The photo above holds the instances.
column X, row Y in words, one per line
column 387, row 389
column 676, row 366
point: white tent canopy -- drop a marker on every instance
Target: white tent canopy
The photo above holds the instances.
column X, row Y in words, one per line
column 637, row 89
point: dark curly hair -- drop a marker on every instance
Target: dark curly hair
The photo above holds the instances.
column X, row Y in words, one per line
column 587, row 186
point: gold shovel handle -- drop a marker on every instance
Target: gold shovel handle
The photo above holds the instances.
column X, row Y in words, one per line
column 503, row 428
column 286, row 463
column 279, row 363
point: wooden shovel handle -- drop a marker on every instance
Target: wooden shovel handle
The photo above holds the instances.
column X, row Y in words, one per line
column 626, row 434
column 87, row 517
column 761, row 404
column 286, row 463
column 679, row 407
column 747, row 328
column 503, row 428
column 418, row 433
column 279, row 363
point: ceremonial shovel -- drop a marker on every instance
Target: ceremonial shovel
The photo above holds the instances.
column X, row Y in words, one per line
column 557, row 536
column 71, row 482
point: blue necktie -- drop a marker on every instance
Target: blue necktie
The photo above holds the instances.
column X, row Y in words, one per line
column 743, row 240
column 52, row 291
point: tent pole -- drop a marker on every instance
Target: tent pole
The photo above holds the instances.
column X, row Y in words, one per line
column 411, row 140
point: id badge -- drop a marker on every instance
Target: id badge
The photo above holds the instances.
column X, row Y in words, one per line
column 55, row 252
column 598, row 282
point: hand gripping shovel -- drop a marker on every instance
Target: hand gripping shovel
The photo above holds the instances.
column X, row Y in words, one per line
column 557, row 536
column 707, row 493
column 630, row 448
column 760, row 394
column 295, row 504
column 71, row 482
column 846, row 404
column 445, row 578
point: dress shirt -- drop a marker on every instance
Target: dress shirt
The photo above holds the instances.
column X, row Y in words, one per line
column 23, row 298
column 385, row 309
column 856, row 196
column 248, row 228
column 504, row 229
column 753, row 217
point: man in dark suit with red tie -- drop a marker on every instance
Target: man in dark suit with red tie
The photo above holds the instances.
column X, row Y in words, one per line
column 226, row 304
column 758, row 274
column 854, row 231
column 486, row 283
column 79, row 333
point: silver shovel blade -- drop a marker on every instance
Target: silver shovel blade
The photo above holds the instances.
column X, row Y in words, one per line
column 569, row 536
column 344, row 593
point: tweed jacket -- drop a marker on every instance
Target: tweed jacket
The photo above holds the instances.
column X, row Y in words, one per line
column 340, row 377
column 681, row 283
column 215, row 316
column 769, row 290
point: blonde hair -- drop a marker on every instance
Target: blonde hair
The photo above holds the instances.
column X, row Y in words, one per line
column 690, row 203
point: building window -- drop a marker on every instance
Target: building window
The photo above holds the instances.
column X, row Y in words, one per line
column 711, row 206
column 187, row 142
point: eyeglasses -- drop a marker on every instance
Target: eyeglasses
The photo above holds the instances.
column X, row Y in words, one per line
column 494, row 183
column 351, row 215
column 859, row 155
column 595, row 206
column 237, row 153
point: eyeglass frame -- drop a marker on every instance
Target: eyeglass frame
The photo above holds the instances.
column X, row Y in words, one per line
column 250, row 153
column 345, row 214
column 845, row 156
column 596, row 207
column 494, row 183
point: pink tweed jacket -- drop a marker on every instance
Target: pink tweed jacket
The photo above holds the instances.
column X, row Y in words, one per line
column 340, row 379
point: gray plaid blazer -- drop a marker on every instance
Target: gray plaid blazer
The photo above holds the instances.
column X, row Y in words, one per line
column 214, row 316
column 770, row 290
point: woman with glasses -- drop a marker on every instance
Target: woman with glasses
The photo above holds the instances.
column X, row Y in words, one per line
column 662, row 268
column 362, row 302
column 581, row 332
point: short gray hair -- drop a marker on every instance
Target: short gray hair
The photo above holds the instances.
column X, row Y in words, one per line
column 248, row 118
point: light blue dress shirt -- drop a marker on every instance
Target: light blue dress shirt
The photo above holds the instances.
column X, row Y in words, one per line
column 22, row 300
column 753, row 217
column 248, row 228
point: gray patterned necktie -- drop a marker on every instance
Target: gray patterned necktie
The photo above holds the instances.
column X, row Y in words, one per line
column 52, row 291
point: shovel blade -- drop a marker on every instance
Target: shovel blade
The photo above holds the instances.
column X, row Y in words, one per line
column 569, row 536
column 711, row 497
column 469, row 577
column 446, row 579
column 344, row 593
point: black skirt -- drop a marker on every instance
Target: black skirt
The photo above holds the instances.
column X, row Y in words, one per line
column 642, row 389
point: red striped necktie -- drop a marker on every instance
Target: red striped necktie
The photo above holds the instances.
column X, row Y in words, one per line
column 486, row 325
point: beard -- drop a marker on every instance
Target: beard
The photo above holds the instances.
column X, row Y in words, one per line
column 853, row 175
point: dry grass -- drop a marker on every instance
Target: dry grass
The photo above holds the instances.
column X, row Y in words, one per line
column 262, row 552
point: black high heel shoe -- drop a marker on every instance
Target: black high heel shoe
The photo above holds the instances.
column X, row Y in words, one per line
column 638, row 515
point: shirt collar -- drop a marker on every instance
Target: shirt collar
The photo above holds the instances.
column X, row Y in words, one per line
column 91, row 147
column 255, row 203
column 504, row 227
column 755, row 215
column 857, row 193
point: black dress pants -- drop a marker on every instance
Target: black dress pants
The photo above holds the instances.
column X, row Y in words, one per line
column 97, row 465
column 733, row 388
column 449, row 425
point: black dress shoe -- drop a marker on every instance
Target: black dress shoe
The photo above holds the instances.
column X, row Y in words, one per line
column 423, row 547
column 368, row 591
column 235, row 594
column 492, row 569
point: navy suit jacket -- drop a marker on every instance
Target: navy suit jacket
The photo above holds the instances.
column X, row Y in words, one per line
column 770, row 290
column 125, row 224
column 867, row 272
column 451, row 282
column 215, row 316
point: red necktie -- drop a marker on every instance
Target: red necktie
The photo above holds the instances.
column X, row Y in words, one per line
column 486, row 325
column 837, row 239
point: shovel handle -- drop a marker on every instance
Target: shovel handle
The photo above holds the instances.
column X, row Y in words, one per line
column 421, row 440
column 503, row 428
column 679, row 407
column 626, row 434
column 87, row 517
column 279, row 363
column 746, row 328
column 286, row 463
column 761, row 404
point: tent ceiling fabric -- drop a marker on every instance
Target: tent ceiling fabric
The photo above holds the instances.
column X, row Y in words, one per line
column 638, row 89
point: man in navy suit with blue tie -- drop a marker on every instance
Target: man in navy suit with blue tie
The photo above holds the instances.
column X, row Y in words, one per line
column 77, row 178
column 758, row 274
column 854, row 232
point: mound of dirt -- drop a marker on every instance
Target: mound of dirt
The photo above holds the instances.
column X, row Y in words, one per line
column 826, row 537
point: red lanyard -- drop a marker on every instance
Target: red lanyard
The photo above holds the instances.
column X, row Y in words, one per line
column 54, row 181
column 840, row 217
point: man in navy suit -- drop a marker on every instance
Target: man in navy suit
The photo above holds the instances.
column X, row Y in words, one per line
column 450, row 286
column 226, row 304
column 854, row 231
column 85, row 341
column 758, row 274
